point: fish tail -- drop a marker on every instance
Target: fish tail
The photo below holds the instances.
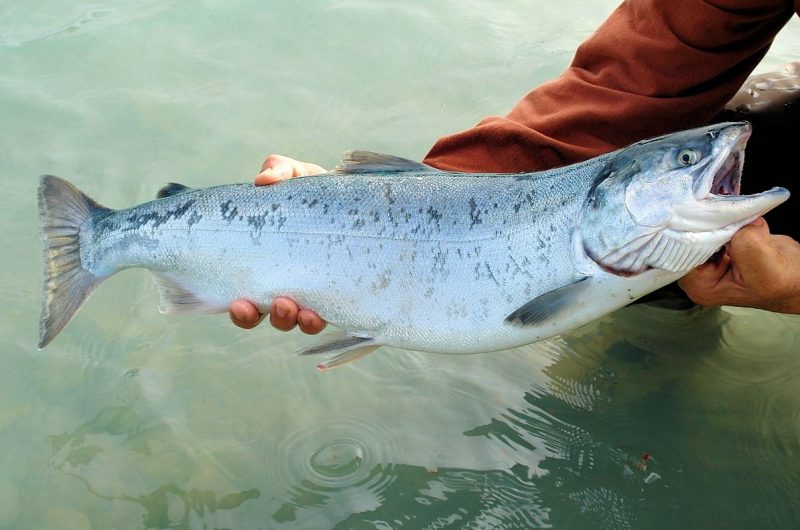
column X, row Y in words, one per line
column 63, row 211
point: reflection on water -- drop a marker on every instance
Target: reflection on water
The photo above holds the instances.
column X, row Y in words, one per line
column 334, row 467
column 647, row 419
column 116, row 444
column 28, row 23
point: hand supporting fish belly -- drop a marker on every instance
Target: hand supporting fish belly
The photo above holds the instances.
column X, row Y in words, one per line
column 388, row 250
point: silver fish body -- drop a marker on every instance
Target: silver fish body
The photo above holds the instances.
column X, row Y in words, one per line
column 397, row 253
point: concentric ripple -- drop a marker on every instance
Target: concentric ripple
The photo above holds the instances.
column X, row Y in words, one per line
column 337, row 459
column 345, row 461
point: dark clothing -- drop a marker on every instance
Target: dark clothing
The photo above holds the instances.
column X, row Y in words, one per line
column 653, row 67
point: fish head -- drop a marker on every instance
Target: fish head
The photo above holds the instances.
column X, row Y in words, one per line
column 671, row 202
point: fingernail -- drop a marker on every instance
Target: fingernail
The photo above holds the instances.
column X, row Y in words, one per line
column 238, row 313
column 281, row 311
column 304, row 319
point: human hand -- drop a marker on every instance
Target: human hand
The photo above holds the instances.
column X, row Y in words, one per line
column 278, row 167
column 759, row 270
column 284, row 313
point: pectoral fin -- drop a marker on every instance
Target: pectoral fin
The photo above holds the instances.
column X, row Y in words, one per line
column 348, row 348
column 550, row 305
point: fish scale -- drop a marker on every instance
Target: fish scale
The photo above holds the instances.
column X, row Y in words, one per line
column 405, row 238
column 391, row 251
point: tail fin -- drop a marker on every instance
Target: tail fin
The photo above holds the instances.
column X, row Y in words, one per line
column 63, row 210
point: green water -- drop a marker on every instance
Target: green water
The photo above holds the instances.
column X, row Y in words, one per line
column 133, row 420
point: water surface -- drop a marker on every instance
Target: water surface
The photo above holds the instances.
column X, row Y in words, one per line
column 647, row 418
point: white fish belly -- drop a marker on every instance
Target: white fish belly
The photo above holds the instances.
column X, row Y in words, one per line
column 435, row 269
column 439, row 296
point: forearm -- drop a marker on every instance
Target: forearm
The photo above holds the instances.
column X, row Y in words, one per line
column 651, row 68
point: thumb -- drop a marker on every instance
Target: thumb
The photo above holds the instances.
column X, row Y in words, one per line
column 754, row 254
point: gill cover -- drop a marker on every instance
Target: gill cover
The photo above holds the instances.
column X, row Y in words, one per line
column 626, row 225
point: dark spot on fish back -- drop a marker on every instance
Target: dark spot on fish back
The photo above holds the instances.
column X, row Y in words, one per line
column 434, row 214
column 228, row 212
column 194, row 218
column 156, row 216
column 474, row 213
column 388, row 193
column 257, row 222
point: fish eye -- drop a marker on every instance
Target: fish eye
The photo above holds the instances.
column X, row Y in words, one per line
column 688, row 157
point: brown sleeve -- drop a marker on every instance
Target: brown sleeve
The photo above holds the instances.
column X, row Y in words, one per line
column 653, row 67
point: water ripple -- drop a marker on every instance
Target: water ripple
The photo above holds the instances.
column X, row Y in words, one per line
column 343, row 461
column 38, row 24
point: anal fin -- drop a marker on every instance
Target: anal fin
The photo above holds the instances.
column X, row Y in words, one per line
column 179, row 300
column 347, row 348
column 550, row 304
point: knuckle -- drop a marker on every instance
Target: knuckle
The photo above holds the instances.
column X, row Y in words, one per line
column 271, row 161
column 699, row 296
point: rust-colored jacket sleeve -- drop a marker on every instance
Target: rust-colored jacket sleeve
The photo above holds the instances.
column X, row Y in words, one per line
column 653, row 67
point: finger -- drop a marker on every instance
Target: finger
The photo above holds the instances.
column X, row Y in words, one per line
column 275, row 169
column 312, row 169
column 309, row 322
column 756, row 257
column 283, row 314
column 702, row 284
column 244, row 314
column 278, row 167
column 709, row 273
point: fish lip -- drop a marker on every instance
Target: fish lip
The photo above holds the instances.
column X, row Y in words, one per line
column 723, row 178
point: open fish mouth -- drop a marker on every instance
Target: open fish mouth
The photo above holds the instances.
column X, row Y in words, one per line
column 728, row 178
column 718, row 190
column 723, row 178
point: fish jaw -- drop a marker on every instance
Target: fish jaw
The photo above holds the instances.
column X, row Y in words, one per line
column 718, row 204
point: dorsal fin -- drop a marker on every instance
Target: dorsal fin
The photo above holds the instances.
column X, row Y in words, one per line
column 172, row 188
column 368, row 162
